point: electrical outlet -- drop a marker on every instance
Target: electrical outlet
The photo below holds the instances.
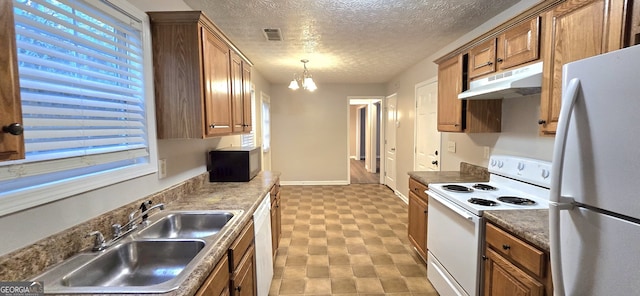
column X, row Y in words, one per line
column 451, row 146
column 487, row 152
column 162, row 168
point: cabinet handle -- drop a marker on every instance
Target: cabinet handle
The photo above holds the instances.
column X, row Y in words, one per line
column 541, row 122
column 484, row 257
column 456, row 124
column 212, row 125
column 425, row 211
column 238, row 288
column 15, row 129
column 489, row 63
column 500, row 60
column 506, row 247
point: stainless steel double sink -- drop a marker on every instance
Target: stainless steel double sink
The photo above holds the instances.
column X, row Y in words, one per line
column 152, row 259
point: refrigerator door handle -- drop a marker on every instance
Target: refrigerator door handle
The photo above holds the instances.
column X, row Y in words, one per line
column 557, row 202
column 568, row 101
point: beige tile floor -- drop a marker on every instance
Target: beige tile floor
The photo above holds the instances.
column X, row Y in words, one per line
column 346, row 240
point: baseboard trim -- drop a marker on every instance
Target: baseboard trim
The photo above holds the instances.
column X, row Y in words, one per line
column 337, row 182
column 401, row 196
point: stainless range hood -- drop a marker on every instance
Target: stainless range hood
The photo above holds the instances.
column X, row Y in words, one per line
column 519, row 82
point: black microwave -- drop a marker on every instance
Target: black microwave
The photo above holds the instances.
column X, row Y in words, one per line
column 234, row 164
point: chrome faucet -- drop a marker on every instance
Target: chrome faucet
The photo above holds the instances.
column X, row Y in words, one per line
column 99, row 243
column 131, row 225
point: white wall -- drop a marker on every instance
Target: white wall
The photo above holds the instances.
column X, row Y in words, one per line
column 310, row 131
column 185, row 159
column 519, row 134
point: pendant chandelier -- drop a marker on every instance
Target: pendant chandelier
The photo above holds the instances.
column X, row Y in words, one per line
column 305, row 81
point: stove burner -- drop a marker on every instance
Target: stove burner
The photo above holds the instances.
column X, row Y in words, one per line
column 517, row 200
column 457, row 188
column 483, row 202
column 485, row 187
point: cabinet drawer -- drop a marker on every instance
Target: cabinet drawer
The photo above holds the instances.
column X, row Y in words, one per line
column 515, row 249
column 418, row 188
column 240, row 246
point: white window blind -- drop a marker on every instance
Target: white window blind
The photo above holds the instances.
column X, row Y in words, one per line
column 249, row 139
column 82, row 85
column 266, row 124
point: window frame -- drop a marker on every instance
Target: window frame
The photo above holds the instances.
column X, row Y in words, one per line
column 35, row 195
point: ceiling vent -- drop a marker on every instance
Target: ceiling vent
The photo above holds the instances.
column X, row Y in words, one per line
column 272, row 34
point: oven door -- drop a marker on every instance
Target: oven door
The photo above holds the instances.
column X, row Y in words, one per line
column 453, row 263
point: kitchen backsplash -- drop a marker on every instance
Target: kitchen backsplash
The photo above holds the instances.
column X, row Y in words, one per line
column 473, row 169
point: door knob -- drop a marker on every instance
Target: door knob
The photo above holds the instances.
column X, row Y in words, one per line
column 15, row 129
column 435, row 162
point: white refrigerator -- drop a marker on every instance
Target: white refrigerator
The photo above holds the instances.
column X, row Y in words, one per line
column 595, row 189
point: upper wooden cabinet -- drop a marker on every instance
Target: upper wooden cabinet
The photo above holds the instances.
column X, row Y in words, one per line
column 455, row 115
column 577, row 29
column 241, row 90
column 449, row 86
column 516, row 46
column 11, row 138
column 246, row 97
column 236, row 91
column 196, row 82
column 217, row 85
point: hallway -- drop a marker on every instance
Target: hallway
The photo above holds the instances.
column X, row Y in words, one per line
column 346, row 240
column 359, row 174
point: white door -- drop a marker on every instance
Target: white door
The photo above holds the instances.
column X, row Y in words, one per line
column 391, row 123
column 427, row 137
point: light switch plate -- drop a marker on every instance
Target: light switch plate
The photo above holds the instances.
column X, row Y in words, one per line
column 162, row 168
column 451, row 146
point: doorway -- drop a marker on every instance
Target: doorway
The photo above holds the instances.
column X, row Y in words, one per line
column 365, row 115
column 427, row 139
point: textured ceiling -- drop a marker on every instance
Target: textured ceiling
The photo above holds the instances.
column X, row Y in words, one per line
column 346, row 41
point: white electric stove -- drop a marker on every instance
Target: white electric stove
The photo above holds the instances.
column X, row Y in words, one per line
column 455, row 222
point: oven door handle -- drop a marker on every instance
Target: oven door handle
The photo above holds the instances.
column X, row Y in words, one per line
column 452, row 206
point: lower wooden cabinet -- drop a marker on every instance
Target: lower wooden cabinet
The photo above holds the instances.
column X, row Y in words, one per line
column 217, row 284
column 242, row 263
column 513, row 266
column 276, row 218
column 243, row 280
column 417, row 228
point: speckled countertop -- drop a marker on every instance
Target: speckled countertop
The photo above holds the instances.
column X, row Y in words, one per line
column 530, row 225
column 468, row 173
column 244, row 196
column 195, row 194
column 445, row 177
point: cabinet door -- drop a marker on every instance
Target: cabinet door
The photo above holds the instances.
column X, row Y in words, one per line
column 418, row 224
column 11, row 140
column 482, row 58
column 243, row 282
column 246, row 97
column 502, row 278
column 274, row 230
column 449, row 86
column 519, row 45
column 216, row 283
column 237, row 92
column 217, row 75
column 576, row 29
